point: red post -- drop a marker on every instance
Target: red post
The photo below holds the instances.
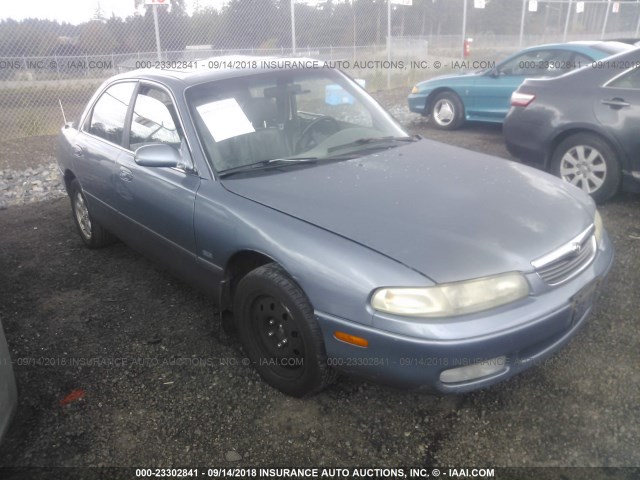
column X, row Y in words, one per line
column 466, row 48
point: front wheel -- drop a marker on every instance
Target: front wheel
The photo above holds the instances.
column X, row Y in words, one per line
column 588, row 162
column 278, row 330
column 447, row 111
column 92, row 233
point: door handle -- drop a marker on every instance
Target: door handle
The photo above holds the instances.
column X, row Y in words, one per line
column 77, row 151
column 616, row 103
column 125, row 174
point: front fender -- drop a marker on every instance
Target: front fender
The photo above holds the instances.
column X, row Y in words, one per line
column 337, row 274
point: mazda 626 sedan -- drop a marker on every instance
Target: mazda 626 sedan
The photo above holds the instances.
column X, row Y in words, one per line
column 332, row 240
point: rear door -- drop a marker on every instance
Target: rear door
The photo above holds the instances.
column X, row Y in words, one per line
column 617, row 108
column 98, row 146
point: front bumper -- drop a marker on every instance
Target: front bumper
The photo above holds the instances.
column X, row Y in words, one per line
column 533, row 331
column 417, row 102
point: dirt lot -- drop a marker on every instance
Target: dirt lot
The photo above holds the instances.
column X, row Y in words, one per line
column 124, row 335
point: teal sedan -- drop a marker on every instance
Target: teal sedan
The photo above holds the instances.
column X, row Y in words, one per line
column 484, row 96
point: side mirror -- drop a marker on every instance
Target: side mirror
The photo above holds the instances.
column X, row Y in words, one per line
column 157, row 155
column 494, row 72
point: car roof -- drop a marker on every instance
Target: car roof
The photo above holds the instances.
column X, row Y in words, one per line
column 219, row 68
column 629, row 40
column 604, row 48
column 611, row 47
column 582, row 43
column 612, row 66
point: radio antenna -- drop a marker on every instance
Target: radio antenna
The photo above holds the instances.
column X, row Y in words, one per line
column 62, row 110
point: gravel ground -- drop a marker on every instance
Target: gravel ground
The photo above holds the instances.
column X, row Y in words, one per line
column 153, row 384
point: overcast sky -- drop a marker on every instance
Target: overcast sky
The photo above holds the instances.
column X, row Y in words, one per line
column 78, row 11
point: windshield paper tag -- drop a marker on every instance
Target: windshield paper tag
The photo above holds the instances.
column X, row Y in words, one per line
column 225, row 119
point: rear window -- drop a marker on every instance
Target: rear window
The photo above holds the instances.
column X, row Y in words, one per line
column 110, row 111
column 613, row 47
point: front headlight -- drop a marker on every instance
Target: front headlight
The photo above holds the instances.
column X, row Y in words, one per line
column 597, row 223
column 451, row 299
column 415, row 89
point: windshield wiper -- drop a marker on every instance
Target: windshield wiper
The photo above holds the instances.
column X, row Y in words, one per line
column 386, row 141
column 274, row 162
column 372, row 143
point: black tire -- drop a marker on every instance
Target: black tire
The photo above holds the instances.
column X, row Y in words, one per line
column 588, row 162
column 279, row 332
column 446, row 111
column 92, row 233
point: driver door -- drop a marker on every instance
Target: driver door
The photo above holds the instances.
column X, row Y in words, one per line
column 156, row 204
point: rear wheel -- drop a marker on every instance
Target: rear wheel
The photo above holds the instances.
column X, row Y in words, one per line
column 588, row 162
column 447, row 111
column 279, row 332
column 92, row 233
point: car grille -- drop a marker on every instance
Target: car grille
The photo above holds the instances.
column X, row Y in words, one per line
column 569, row 260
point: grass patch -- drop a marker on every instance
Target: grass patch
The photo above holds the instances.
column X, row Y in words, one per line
column 32, row 111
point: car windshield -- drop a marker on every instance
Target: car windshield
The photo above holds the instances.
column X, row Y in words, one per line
column 292, row 115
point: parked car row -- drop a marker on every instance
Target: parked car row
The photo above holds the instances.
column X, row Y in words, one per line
column 572, row 109
column 484, row 96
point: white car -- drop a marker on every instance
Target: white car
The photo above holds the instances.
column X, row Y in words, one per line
column 8, row 392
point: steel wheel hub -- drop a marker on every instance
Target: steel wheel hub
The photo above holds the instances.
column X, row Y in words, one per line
column 279, row 337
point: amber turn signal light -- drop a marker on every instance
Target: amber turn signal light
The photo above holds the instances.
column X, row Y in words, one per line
column 352, row 339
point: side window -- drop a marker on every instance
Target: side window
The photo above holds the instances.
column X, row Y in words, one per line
column 630, row 79
column 154, row 119
column 581, row 60
column 110, row 111
column 538, row 63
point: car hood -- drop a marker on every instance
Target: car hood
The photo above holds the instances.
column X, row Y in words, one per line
column 446, row 212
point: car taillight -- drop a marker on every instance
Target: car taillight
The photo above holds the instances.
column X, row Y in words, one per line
column 521, row 99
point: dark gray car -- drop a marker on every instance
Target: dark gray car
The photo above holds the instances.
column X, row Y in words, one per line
column 8, row 393
column 332, row 240
column 582, row 126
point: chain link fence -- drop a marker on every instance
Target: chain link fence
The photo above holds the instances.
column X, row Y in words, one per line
column 46, row 63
